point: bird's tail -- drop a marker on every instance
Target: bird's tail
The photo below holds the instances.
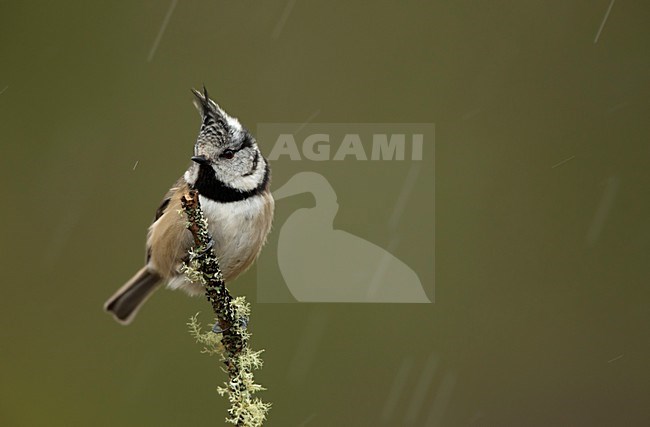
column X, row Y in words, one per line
column 126, row 302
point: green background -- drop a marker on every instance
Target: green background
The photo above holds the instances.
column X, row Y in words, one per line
column 541, row 315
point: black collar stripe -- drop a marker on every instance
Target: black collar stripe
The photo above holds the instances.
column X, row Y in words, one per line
column 209, row 186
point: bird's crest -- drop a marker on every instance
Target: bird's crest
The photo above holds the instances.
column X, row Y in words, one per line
column 214, row 125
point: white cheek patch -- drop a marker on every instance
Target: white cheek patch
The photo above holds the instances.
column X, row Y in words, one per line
column 251, row 181
column 191, row 175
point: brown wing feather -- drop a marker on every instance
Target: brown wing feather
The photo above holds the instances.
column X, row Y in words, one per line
column 161, row 210
column 165, row 201
column 168, row 240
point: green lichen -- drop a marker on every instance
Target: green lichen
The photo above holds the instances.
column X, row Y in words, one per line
column 192, row 271
column 232, row 315
column 211, row 342
column 245, row 409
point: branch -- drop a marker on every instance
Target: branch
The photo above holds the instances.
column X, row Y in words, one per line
column 232, row 317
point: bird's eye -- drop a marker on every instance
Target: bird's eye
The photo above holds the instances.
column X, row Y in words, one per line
column 227, row 154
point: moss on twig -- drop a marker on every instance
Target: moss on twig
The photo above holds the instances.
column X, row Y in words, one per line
column 232, row 316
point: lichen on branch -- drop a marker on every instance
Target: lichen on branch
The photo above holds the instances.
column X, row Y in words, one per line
column 232, row 317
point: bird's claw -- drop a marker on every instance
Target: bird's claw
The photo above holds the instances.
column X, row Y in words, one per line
column 204, row 251
column 208, row 247
column 218, row 330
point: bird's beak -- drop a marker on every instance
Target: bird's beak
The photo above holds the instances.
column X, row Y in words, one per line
column 202, row 160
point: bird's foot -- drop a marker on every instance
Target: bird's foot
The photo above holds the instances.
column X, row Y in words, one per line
column 218, row 330
column 204, row 250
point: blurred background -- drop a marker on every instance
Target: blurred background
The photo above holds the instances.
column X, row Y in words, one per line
column 541, row 312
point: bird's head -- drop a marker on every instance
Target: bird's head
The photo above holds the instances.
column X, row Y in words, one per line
column 224, row 150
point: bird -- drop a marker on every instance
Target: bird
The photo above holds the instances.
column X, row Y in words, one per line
column 232, row 178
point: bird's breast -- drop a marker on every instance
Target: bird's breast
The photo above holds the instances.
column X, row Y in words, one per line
column 239, row 230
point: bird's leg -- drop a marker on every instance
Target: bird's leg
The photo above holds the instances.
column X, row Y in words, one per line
column 205, row 250
column 217, row 329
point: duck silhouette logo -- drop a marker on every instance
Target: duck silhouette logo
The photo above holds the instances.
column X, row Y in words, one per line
column 322, row 264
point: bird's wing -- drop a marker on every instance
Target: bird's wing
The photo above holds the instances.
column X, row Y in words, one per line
column 168, row 196
column 174, row 192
